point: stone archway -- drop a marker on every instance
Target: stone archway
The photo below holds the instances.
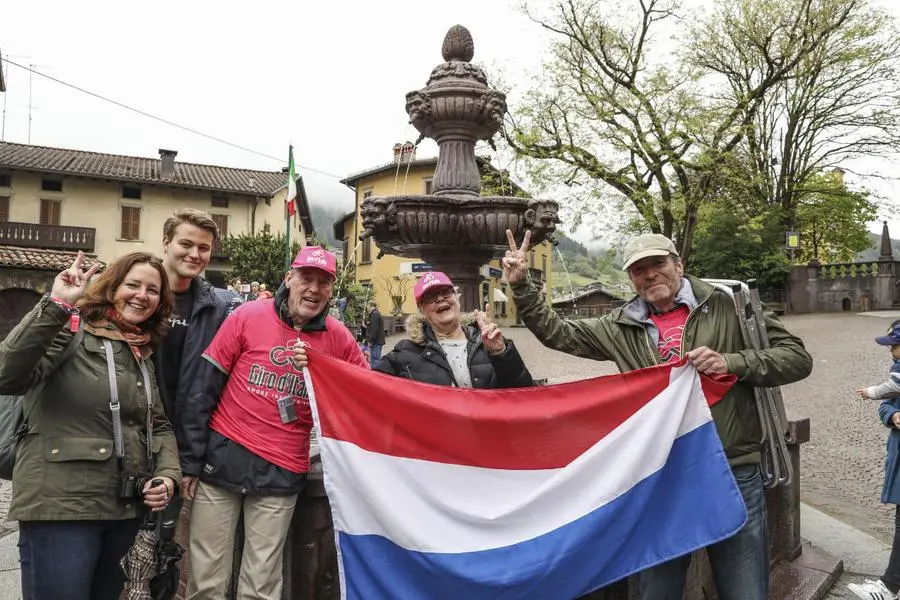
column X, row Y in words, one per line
column 14, row 304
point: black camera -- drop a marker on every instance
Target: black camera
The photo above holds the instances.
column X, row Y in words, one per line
column 131, row 486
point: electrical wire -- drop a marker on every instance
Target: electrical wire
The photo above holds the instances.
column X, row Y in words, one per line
column 167, row 121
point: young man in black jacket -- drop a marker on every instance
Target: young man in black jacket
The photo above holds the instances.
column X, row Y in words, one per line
column 188, row 237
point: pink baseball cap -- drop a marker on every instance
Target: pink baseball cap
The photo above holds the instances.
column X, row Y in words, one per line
column 316, row 257
column 432, row 279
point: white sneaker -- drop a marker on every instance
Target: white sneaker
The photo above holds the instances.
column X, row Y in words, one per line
column 872, row 590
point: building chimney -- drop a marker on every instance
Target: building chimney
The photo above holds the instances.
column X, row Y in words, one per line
column 167, row 166
column 408, row 153
column 397, row 151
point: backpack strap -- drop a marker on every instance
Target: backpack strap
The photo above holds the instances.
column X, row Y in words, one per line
column 71, row 347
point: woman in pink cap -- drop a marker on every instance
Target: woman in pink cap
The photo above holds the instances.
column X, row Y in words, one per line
column 446, row 347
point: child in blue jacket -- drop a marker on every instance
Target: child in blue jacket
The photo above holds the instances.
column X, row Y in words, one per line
column 888, row 392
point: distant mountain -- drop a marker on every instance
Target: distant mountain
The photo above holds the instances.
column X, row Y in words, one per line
column 323, row 218
column 873, row 252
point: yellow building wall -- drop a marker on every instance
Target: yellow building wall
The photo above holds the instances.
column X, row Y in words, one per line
column 392, row 271
column 97, row 203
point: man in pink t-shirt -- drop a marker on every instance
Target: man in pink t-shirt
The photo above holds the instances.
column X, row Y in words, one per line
column 247, row 426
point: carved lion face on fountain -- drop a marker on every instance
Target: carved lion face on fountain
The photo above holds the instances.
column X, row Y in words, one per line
column 418, row 106
column 542, row 217
column 378, row 215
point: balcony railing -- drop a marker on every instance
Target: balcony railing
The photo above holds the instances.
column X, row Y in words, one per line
column 51, row 237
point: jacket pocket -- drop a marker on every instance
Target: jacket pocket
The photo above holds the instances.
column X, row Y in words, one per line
column 77, row 466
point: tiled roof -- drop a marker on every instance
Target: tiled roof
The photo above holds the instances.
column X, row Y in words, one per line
column 352, row 180
column 36, row 258
column 138, row 169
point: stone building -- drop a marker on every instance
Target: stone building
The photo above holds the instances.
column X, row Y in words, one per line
column 55, row 202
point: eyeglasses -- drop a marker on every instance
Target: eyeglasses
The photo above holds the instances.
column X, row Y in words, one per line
column 436, row 295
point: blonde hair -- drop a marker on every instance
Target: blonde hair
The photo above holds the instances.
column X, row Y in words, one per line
column 195, row 217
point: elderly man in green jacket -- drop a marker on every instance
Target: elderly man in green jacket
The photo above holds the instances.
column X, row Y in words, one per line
column 677, row 316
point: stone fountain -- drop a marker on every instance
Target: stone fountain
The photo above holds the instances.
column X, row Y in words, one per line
column 455, row 229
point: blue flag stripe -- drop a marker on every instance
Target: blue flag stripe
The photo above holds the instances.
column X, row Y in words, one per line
column 691, row 502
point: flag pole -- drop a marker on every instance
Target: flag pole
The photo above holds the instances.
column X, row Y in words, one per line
column 287, row 213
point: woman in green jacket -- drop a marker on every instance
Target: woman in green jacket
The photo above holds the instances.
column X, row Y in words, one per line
column 98, row 448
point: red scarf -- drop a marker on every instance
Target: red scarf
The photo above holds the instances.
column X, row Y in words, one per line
column 133, row 334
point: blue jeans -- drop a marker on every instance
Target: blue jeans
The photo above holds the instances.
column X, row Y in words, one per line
column 740, row 564
column 374, row 355
column 74, row 560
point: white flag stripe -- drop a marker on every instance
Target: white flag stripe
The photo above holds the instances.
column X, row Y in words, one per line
column 451, row 508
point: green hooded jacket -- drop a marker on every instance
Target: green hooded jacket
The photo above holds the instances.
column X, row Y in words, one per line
column 66, row 467
column 628, row 337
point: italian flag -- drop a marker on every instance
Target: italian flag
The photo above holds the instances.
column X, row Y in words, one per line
column 292, row 184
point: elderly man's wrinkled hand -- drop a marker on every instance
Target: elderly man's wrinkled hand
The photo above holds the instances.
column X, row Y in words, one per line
column 515, row 260
column 300, row 359
column 707, row 361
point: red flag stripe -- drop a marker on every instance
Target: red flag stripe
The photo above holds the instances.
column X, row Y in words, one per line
column 550, row 425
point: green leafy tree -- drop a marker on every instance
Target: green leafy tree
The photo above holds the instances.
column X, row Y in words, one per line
column 734, row 243
column 258, row 257
column 832, row 219
column 841, row 103
column 346, row 287
column 613, row 120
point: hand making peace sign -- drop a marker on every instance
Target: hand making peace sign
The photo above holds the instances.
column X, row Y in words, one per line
column 70, row 285
column 491, row 336
column 514, row 265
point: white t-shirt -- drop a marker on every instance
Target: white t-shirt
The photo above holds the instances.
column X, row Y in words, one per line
column 459, row 361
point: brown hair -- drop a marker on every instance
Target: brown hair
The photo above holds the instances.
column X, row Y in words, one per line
column 195, row 217
column 100, row 292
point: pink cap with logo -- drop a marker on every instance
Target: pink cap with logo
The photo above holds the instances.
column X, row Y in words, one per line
column 316, row 257
column 432, row 279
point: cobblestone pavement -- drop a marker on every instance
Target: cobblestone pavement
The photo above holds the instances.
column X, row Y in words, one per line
column 841, row 466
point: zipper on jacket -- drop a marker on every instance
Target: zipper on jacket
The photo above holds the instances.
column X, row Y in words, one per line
column 650, row 347
column 688, row 319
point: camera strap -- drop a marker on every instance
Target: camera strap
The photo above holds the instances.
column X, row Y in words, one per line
column 114, row 407
column 146, row 375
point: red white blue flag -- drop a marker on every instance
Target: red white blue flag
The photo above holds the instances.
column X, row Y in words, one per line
column 548, row 492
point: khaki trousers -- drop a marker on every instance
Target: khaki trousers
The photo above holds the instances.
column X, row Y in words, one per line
column 214, row 518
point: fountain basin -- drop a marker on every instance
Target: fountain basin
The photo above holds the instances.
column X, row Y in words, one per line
column 414, row 225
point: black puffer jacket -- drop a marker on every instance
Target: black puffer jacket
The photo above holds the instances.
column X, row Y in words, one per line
column 208, row 311
column 421, row 358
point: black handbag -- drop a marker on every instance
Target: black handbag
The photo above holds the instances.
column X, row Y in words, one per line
column 13, row 420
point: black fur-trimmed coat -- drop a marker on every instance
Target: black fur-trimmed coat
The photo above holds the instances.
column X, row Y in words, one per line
column 421, row 358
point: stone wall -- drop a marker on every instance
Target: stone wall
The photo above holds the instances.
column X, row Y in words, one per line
column 843, row 287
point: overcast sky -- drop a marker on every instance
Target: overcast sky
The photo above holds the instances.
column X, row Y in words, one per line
column 328, row 77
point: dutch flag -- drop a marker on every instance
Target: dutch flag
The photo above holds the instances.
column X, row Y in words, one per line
column 549, row 492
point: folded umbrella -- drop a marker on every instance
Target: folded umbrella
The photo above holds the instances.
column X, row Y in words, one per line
column 150, row 566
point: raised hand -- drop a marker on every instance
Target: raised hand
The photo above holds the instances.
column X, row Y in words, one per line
column 491, row 336
column 70, row 285
column 514, row 262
